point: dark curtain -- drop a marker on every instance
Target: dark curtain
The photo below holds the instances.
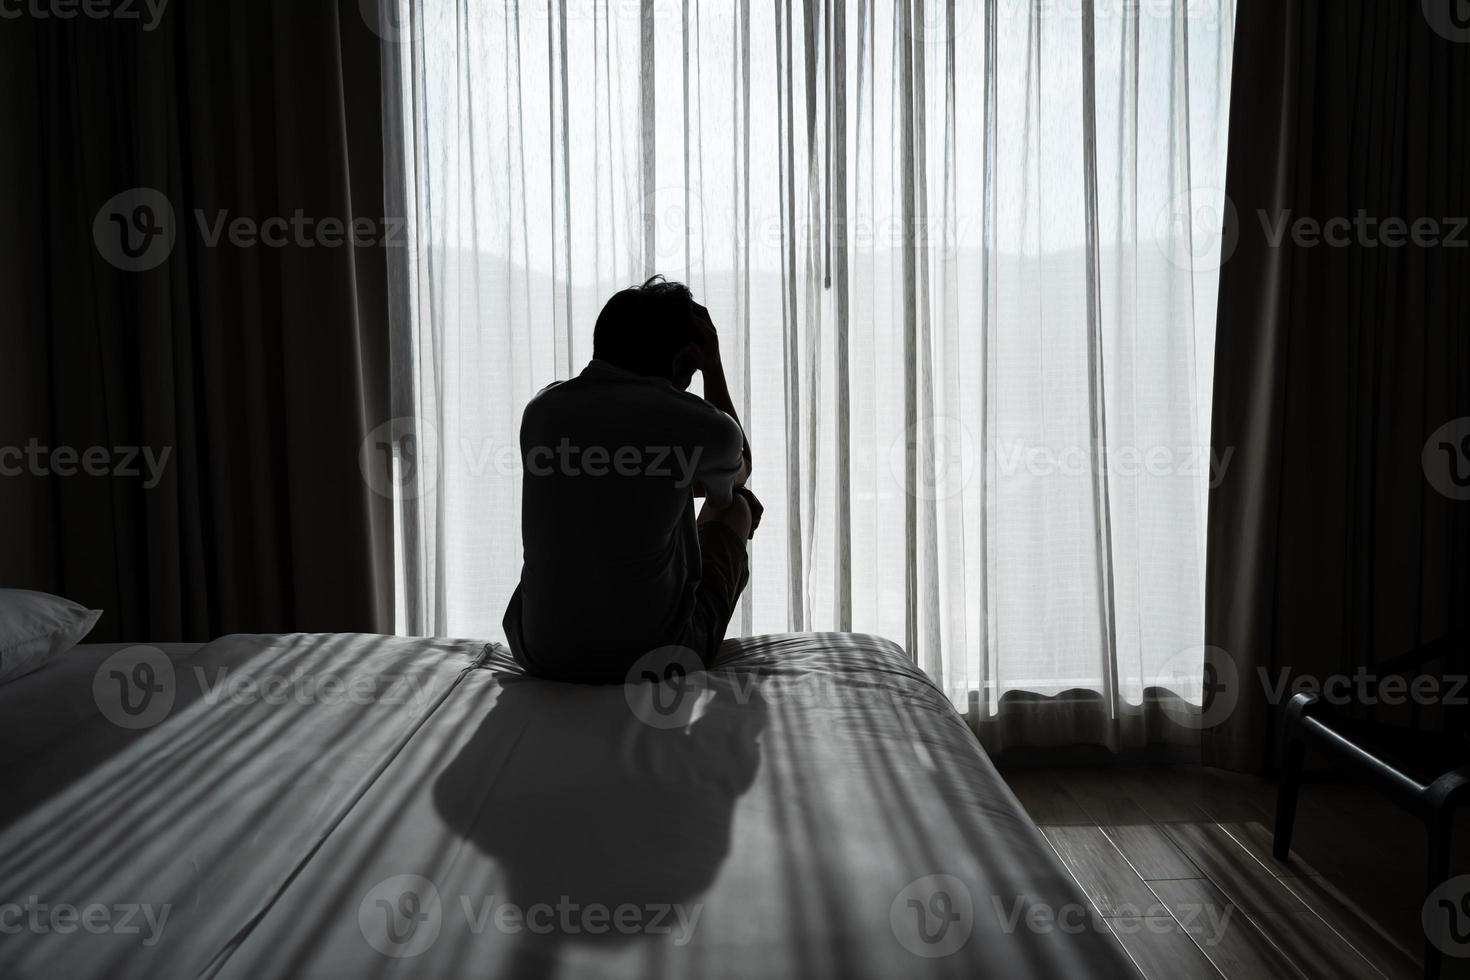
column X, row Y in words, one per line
column 258, row 369
column 1332, row 545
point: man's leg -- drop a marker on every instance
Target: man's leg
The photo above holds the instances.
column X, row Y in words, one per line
column 723, row 533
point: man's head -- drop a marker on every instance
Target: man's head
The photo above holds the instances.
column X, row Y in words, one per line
column 647, row 329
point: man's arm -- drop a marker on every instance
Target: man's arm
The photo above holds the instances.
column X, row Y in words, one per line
column 716, row 388
column 717, row 393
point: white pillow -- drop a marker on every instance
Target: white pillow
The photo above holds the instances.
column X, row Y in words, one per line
column 35, row 626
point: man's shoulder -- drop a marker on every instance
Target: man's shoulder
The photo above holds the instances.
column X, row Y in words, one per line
column 548, row 396
column 627, row 401
column 612, row 394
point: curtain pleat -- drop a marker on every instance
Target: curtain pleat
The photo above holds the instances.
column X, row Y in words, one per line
column 838, row 246
column 254, row 371
column 1339, row 539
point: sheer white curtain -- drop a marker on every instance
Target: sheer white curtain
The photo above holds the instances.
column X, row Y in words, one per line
column 961, row 256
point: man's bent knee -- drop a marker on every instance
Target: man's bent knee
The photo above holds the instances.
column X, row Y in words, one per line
column 736, row 516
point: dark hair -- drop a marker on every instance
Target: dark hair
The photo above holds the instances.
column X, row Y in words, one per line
column 643, row 327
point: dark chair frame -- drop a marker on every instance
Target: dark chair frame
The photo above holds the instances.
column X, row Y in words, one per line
column 1309, row 721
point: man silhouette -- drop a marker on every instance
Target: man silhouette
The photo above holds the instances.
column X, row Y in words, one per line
column 615, row 563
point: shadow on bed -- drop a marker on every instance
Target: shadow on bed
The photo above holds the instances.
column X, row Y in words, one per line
column 603, row 821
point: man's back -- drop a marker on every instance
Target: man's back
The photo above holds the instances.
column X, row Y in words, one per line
column 612, row 560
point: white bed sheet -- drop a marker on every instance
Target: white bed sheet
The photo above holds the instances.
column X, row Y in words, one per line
column 783, row 824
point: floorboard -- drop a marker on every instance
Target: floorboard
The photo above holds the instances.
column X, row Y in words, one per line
column 1177, row 861
column 1161, row 949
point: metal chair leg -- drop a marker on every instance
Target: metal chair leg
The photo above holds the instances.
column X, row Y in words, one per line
column 1441, row 827
column 1286, row 795
column 1293, row 752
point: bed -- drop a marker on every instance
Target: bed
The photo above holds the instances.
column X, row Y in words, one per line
column 367, row 806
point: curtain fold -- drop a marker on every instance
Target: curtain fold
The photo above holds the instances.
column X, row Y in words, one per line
column 1340, row 537
column 963, row 256
column 251, row 372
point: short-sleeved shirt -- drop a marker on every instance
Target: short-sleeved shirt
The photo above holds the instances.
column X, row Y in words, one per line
column 611, row 554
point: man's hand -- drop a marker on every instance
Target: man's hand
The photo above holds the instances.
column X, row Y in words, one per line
column 706, row 340
column 703, row 351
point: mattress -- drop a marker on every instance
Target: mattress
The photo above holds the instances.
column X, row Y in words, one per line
column 365, row 806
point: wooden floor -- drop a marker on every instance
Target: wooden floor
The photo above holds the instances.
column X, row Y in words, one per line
column 1177, row 861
